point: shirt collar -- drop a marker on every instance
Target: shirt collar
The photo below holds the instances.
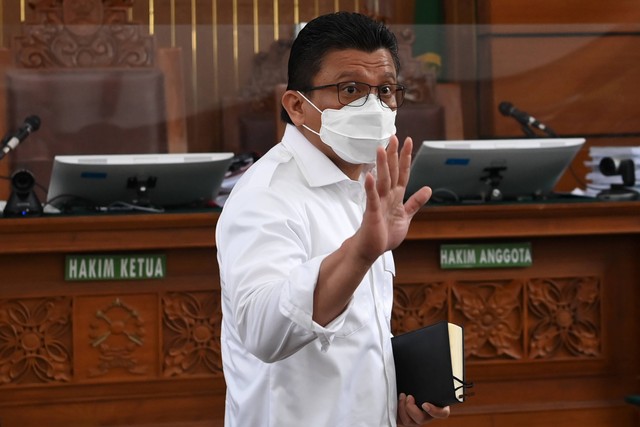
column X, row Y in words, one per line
column 316, row 167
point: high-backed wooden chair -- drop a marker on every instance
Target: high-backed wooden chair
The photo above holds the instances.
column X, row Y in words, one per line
column 97, row 82
column 251, row 120
column 432, row 111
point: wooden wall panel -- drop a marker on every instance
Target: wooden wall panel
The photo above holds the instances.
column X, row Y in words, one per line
column 583, row 84
column 558, row 11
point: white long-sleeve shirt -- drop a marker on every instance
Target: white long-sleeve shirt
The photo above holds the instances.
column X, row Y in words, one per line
column 287, row 213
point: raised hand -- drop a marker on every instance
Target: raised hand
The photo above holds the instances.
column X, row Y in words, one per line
column 386, row 218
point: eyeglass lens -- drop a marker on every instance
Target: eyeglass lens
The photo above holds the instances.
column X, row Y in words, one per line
column 355, row 94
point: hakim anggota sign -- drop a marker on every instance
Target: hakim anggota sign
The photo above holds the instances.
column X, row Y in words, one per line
column 115, row 267
column 496, row 255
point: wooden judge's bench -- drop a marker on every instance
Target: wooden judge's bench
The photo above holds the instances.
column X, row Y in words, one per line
column 555, row 343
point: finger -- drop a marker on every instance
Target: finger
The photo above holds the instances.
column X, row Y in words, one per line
column 435, row 411
column 403, row 417
column 383, row 177
column 392, row 160
column 405, row 162
column 417, row 201
column 418, row 416
column 373, row 199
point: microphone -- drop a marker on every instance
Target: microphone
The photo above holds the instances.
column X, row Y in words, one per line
column 507, row 109
column 31, row 124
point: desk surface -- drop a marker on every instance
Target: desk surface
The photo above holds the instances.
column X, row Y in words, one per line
column 105, row 232
column 526, row 219
column 197, row 229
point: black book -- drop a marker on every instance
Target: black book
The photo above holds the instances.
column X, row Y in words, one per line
column 430, row 364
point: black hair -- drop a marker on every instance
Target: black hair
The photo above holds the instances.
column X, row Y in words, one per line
column 334, row 31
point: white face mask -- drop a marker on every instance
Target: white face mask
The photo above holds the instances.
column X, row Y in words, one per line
column 355, row 133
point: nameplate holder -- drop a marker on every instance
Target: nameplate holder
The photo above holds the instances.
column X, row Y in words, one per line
column 494, row 255
column 92, row 267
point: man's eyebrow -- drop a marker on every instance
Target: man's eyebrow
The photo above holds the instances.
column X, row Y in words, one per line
column 351, row 77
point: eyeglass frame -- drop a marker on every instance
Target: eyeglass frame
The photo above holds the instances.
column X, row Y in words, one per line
column 401, row 88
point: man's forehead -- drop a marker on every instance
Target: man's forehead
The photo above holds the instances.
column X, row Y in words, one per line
column 351, row 63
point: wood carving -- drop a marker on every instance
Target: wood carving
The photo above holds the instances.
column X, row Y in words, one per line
column 562, row 319
column 565, row 318
column 35, row 341
column 415, row 306
column 492, row 313
column 270, row 69
column 82, row 33
column 191, row 324
column 116, row 332
column 420, row 83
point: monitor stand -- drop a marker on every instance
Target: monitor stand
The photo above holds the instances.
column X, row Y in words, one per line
column 493, row 178
column 142, row 187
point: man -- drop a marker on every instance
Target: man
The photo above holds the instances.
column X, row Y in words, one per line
column 304, row 244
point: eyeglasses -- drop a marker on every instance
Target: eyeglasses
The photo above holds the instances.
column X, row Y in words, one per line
column 355, row 94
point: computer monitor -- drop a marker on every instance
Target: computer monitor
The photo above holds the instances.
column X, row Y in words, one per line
column 153, row 180
column 504, row 169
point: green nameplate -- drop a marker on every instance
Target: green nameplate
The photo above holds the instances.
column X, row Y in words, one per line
column 498, row 255
column 115, row 267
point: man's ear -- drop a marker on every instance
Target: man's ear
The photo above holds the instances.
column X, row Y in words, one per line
column 292, row 101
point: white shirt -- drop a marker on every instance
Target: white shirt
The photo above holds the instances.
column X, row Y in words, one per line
column 287, row 213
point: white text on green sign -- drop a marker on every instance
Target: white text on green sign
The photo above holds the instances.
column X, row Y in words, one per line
column 115, row 267
column 498, row 255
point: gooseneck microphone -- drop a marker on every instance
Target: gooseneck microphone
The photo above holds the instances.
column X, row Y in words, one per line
column 31, row 124
column 526, row 120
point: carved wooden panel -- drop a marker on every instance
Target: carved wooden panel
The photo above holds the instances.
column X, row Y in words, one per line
column 191, row 334
column 510, row 320
column 564, row 318
column 82, row 33
column 492, row 314
column 116, row 337
column 417, row 305
column 35, row 341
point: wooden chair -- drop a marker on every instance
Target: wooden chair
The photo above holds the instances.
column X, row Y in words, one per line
column 432, row 111
column 97, row 82
column 251, row 120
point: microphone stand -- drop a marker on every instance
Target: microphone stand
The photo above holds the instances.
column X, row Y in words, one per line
column 528, row 131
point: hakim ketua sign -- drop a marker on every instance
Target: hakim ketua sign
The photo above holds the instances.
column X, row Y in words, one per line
column 498, row 255
column 115, row 267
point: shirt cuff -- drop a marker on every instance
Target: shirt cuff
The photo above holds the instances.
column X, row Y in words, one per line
column 296, row 303
column 326, row 334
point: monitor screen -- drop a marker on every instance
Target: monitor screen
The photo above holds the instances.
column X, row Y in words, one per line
column 505, row 169
column 154, row 180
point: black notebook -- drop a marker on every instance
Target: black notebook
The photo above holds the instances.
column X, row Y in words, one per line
column 430, row 364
